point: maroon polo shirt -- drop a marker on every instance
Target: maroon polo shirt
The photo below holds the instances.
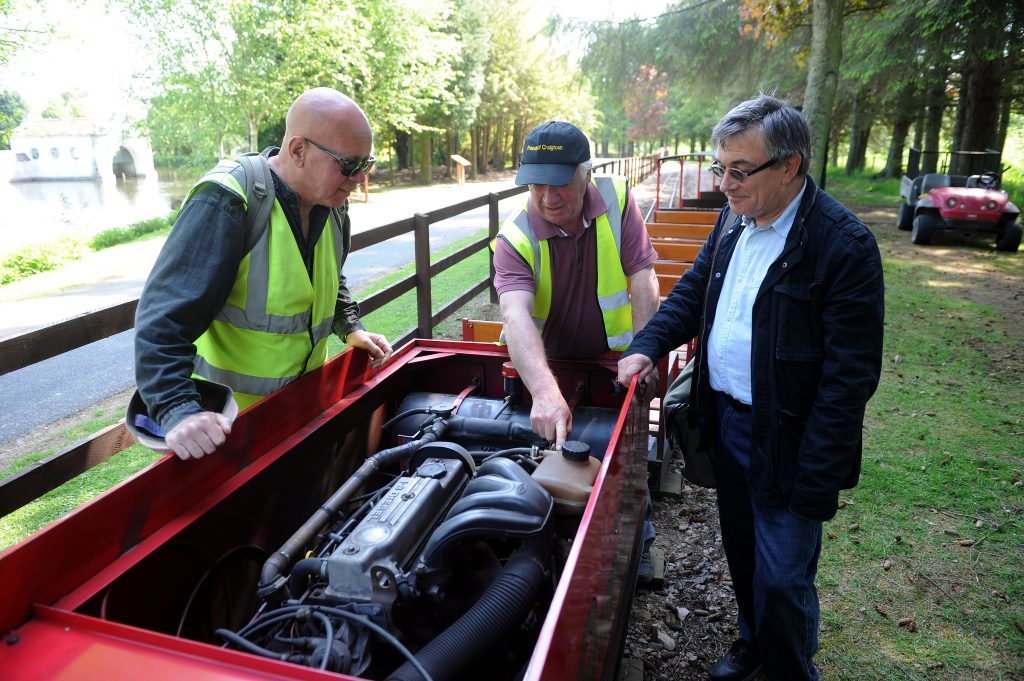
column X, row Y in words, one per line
column 574, row 328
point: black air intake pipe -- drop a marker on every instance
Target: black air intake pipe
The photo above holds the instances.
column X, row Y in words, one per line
column 495, row 616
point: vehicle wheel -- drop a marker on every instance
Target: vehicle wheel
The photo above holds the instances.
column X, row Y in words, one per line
column 905, row 217
column 1009, row 240
column 923, row 229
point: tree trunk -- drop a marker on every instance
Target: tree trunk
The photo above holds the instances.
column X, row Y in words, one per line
column 860, row 129
column 474, row 138
column 254, row 135
column 936, row 105
column 978, row 117
column 449, row 138
column 906, row 107
column 498, row 153
column 403, row 150
column 425, row 158
column 823, row 78
column 485, row 145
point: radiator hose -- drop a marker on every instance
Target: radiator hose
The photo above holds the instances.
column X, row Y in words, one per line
column 496, row 615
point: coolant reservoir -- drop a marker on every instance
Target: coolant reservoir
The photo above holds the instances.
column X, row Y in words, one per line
column 568, row 476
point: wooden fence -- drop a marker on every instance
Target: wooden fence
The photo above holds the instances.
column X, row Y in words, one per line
column 35, row 346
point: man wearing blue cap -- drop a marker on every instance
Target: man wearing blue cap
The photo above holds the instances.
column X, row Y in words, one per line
column 574, row 272
column 562, row 264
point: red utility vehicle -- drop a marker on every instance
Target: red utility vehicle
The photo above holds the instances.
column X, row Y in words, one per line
column 971, row 203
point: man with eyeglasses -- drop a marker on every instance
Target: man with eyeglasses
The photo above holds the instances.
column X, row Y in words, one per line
column 255, row 319
column 786, row 297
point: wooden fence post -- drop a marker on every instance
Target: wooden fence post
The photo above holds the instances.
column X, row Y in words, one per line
column 421, row 232
column 492, row 233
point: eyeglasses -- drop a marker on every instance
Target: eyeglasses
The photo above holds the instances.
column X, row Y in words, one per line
column 349, row 166
column 737, row 175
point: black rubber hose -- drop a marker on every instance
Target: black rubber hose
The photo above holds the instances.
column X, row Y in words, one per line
column 472, row 426
column 509, row 453
column 303, row 570
column 495, row 616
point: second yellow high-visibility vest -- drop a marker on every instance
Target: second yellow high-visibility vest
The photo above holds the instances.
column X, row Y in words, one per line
column 612, row 292
column 275, row 323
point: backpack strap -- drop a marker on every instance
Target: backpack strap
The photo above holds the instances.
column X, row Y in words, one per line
column 259, row 197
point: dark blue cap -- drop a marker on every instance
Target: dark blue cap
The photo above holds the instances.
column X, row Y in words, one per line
column 551, row 152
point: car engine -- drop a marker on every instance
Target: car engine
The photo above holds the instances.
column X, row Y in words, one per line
column 438, row 557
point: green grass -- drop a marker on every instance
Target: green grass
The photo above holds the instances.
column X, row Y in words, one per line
column 934, row 533
column 862, row 189
column 137, row 230
column 72, row 494
column 39, row 258
column 399, row 316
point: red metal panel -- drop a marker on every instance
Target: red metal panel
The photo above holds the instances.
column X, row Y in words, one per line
column 73, row 560
column 61, row 645
column 83, row 547
column 582, row 632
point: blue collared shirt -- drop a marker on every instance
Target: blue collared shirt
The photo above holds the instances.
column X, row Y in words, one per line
column 729, row 342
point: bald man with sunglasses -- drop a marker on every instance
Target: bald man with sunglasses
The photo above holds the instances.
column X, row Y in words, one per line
column 255, row 320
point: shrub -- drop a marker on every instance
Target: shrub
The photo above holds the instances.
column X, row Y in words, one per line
column 120, row 235
column 38, row 258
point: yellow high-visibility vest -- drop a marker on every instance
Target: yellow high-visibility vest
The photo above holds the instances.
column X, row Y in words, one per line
column 612, row 292
column 275, row 323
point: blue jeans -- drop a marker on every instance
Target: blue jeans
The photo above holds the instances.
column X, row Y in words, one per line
column 772, row 554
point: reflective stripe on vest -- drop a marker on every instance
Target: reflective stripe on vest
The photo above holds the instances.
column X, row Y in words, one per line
column 612, row 291
column 275, row 323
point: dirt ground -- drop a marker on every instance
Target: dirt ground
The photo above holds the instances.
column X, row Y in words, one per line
column 682, row 629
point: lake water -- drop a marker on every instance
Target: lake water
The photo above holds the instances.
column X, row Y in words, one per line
column 43, row 212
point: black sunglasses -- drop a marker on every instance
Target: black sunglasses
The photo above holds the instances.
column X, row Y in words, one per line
column 740, row 175
column 349, row 166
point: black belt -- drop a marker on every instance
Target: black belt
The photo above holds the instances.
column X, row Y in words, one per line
column 736, row 404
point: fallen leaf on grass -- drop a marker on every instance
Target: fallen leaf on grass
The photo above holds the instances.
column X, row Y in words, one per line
column 881, row 611
column 966, row 542
column 909, row 624
column 853, row 527
column 936, row 665
column 1001, row 596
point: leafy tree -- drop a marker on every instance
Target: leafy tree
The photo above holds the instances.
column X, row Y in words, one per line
column 646, row 105
column 12, row 113
column 67, row 105
column 526, row 82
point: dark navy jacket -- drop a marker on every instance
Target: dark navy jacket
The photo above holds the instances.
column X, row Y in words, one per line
column 816, row 349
